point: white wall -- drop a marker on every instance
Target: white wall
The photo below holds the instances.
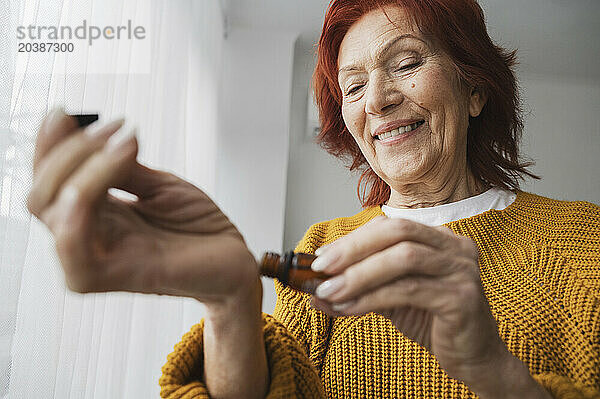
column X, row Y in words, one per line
column 253, row 140
column 319, row 187
column 562, row 134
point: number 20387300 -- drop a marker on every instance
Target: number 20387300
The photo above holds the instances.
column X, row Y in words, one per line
column 46, row 47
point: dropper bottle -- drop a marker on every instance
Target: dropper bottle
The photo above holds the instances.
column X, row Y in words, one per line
column 293, row 270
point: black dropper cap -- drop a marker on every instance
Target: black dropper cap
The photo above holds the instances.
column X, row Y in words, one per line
column 84, row 120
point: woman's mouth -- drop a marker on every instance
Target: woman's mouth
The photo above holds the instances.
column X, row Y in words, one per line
column 399, row 131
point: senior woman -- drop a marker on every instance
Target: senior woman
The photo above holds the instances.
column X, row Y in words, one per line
column 469, row 287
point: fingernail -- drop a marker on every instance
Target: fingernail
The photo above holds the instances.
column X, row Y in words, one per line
column 342, row 306
column 121, row 138
column 106, row 131
column 322, row 262
column 330, row 287
column 320, row 250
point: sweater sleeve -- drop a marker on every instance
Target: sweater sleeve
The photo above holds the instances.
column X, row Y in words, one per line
column 291, row 373
column 561, row 387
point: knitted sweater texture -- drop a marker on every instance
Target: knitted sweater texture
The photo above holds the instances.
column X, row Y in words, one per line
column 539, row 262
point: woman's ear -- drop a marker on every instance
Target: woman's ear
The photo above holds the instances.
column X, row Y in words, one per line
column 477, row 101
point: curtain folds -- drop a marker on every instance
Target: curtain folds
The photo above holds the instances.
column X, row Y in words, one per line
column 55, row 343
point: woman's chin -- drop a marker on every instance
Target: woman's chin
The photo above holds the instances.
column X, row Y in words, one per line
column 402, row 170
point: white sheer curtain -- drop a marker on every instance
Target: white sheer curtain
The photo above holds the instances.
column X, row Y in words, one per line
column 55, row 343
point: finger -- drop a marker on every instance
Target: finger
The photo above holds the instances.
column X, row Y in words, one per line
column 401, row 260
column 73, row 242
column 376, row 219
column 105, row 169
column 171, row 203
column 462, row 245
column 459, row 244
column 434, row 295
column 74, row 207
column 374, row 238
column 90, row 182
column 445, row 230
column 145, row 182
column 60, row 162
column 56, row 126
column 326, row 307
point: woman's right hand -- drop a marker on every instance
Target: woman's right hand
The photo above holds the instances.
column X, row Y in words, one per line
column 173, row 240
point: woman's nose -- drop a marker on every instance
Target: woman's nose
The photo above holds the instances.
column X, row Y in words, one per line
column 382, row 95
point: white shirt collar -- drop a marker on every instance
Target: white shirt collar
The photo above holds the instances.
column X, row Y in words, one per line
column 494, row 198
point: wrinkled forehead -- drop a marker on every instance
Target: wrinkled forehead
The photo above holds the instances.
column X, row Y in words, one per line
column 369, row 34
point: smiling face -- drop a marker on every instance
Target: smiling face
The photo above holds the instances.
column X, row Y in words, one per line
column 403, row 102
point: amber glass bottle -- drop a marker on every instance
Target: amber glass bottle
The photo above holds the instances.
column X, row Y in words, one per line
column 292, row 269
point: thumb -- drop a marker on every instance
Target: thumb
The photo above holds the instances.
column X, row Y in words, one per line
column 445, row 229
column 144, row 181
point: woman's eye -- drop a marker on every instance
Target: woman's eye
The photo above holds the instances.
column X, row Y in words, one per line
column 408, row 65
column 353, row 89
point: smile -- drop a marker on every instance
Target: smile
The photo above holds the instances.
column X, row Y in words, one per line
column 399, row 131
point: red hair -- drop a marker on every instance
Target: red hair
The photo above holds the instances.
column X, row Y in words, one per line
column 459, row 28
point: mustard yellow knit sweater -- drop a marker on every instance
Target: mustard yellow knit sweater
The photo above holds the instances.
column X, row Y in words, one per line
column 540, row 269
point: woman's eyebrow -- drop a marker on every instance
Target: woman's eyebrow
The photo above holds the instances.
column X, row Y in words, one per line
column 383, row 50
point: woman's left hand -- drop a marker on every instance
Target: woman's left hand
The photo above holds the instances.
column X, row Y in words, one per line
column 426, row 281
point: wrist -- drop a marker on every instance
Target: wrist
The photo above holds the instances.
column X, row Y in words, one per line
column 242, row 306
column 233, row 341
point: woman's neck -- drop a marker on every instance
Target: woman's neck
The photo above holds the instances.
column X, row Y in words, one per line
column 438, row 192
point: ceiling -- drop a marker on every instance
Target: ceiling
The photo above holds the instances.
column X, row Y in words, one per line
column 558, row 37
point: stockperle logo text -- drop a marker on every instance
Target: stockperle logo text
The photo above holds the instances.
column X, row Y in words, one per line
column 83, row 32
